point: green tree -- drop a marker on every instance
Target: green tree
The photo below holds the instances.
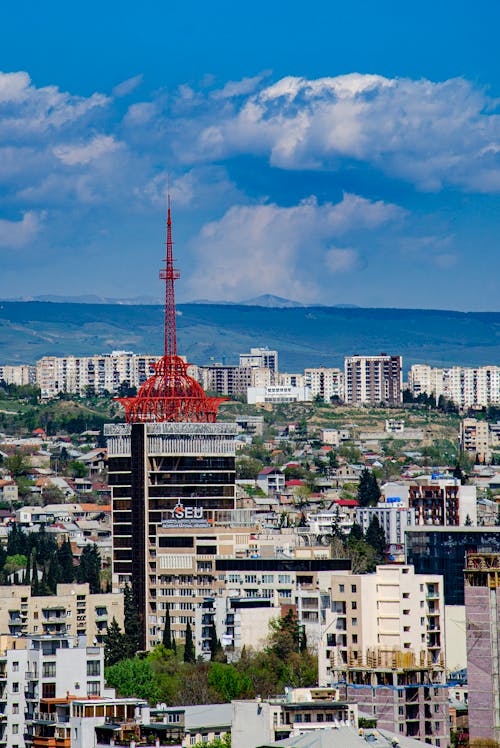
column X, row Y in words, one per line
column 229, row 682
column 189, row 651
column 17, row 464
column 134, row 677
column 247, row 468
column 89, row 568
column 77, row 469
column 113, row 644
column 368, row 488
column 167, row 631
column 131, row 622
column 65, row 558
column 375, row 536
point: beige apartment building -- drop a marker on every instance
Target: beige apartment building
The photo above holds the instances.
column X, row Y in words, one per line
column 100, row 373
column 383, row 645
column 20, row 375
column 465, row 386
column 72, row 610
column 476, row 438
column 324, row 382
column 373, row 379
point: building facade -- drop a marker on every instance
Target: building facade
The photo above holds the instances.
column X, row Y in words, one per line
column 465, row 386
column 20, row 375
column 98, row 374
column 260, row 358
column 373, row 379
column 168, row 479
column 383, row 647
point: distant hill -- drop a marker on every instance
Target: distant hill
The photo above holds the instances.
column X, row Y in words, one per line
column 219, row 332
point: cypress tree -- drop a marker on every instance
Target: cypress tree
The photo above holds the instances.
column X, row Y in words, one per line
column 89, row 568
column 375, row 536
column 35, row 586
column 65, row 558
column 167, row 631
column 131, row 621
column 189, row 651
column 113, row 644
column 214, row 642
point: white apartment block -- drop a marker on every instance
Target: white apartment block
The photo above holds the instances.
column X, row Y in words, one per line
column 19, row 375
column 99, row 374
column 477, row 438
column 465, row 386
column 373, row 379
column 34, row 673
column 260, row 357
column 392, row 519
column 325, row 383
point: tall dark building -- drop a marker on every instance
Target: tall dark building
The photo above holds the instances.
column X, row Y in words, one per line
column 166, row 478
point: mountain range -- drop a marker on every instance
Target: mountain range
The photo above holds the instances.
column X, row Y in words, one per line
column 303, row 336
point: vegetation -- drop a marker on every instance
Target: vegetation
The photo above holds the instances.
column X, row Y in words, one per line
column 165, row 676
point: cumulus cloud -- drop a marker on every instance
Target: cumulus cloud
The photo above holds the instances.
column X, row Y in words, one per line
column 273, row 249
column 432, row 134
column 83, row 153
column 18, row 234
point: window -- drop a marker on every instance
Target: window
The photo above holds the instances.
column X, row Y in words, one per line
column 307, row 717
column 15, row 667
column 15, row 687
column 354, row 621
column 283, row 578
column 319, row 717
column 406, row 628
column 298, row 718
column 406, row 595
column 436, row 707
column 341, row 588
column 93, row 667
column 192, row 740
column 353, row 588
column 93, row 688
column 354, row 605
column 15, row 729
column 354, row 638
column 15, row 708
column 267, row 579
column 49, row 670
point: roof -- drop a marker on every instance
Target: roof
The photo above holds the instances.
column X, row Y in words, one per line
column 269, row 470
column 96, row 507
column 346, row 502
column 295, row 482
column 347, row 737
column 208, row 715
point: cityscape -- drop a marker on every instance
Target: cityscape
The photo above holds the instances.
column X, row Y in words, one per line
column 263, row 525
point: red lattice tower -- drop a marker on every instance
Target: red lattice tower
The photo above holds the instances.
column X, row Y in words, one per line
column 170, row 394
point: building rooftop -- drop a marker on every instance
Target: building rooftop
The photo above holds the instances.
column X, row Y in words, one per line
column 347, row 737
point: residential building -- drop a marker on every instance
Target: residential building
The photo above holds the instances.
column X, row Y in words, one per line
column 225, row 380
column 383, row 647
column 325, row 383
column 466, row 386
column 334, row 437
column 73, row 610
column 271, row 480
column 37, row 674
column 442, row 501
column 373, row 379
column 100, row 373
column 251, row 425
column 475, row 439
column 302, row 709
column 482, row 610
column 20, row 375
column 260, row 358
column 393, row 520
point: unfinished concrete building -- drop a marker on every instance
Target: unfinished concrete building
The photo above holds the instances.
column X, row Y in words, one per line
column 482, row 614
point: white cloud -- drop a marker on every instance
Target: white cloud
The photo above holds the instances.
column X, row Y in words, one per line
column 18, row 234
column 341, row 260
column 431, row 134
column 242, row 87
column 84, row 153
column 281, row 250
column 128, row 86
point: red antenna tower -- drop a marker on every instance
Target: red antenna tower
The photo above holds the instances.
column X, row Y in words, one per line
column 170, row 394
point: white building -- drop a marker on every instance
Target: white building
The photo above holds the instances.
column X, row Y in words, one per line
column 393, row 520
column 325, row 383
column 278, row 394
column 465, row 386
column 260, row 358
column 99, row 373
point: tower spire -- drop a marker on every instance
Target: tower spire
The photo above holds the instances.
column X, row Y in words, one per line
column 169, row 274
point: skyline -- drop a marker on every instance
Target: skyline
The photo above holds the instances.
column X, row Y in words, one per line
column 366, row 171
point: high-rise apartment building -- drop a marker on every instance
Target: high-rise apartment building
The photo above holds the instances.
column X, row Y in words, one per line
column 383, row 647
column 21, row 375
column 260, row 358
column 373, row 379
column 100, row 374
column 476, row 438
column 465, row 386
column 326, row 383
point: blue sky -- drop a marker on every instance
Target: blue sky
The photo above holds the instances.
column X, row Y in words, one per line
column 325, row 152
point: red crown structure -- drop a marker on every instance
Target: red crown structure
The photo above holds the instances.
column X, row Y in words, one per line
column 170, row 394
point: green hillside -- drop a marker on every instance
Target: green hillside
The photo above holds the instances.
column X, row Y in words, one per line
column 303, row 335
